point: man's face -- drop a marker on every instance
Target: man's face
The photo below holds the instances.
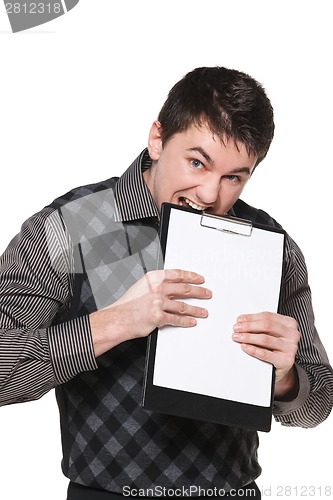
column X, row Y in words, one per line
column 194, row 168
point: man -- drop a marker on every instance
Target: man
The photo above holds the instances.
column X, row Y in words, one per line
column 80, row 293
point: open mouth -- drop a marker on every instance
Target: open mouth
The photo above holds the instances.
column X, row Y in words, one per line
column 185, row 202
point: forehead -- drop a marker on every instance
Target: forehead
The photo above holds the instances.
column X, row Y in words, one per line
column 201, row 140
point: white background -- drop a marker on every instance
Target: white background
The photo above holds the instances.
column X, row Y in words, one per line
column 77, row 96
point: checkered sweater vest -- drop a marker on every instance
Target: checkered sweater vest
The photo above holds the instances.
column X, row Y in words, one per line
column 109, row 440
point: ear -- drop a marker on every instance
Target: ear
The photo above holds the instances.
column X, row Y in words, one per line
column 155, row 141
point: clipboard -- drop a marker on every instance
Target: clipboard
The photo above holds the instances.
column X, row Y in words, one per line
column 200, row 372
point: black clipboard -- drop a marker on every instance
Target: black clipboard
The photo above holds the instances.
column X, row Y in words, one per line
column 201, row 373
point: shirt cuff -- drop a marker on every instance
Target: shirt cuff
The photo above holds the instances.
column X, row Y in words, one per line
column 286, row 407
column 71, row 348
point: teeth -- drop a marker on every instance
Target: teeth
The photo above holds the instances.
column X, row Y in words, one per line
column 194, row 205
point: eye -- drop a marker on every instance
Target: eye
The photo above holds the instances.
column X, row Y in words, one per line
column 196, row 163
column 233, row 178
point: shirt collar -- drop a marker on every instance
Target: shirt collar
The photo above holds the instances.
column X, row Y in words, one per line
column 133, row 198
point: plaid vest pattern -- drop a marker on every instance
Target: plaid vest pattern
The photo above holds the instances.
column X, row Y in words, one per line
column 109, row 440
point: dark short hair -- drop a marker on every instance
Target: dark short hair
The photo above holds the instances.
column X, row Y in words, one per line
column 231, row 103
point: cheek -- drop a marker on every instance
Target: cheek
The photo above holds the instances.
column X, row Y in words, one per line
column 178, row 183
column 240, row 190
column 229, row 196
column 166, row 189
column 236, row 194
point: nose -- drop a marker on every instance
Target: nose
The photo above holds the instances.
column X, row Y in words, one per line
column 208, row 191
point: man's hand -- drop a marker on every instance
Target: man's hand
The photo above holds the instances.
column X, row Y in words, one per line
column 154, row 301
column 273, row 338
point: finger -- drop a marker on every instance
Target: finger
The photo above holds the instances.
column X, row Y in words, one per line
column 261, row 340
column 276, row 358
column 268, row 317
column 180, row 275
column 177, row 320
column 155, row 278
column 271, row 323
column 181, row 308
column 281, row 361
column 185, row 290
column 279, row 352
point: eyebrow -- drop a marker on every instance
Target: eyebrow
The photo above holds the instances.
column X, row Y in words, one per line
column 203, row 153
column 240, row 170
column 237, row 170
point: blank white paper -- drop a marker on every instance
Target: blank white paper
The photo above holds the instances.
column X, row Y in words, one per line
column 244, row 274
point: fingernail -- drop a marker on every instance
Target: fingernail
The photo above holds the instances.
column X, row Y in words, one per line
column 196, row 275
column 208, row 292
column 236, row 336
column 204, row 312
column 237, row 327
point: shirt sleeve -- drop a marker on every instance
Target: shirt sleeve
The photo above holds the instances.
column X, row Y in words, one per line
column 35, row 286
column 315, row 397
